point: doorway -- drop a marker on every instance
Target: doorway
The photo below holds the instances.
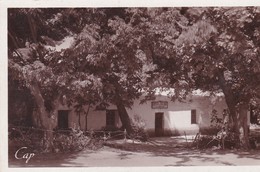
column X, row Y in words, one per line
column 63, row 119
column 159, row 124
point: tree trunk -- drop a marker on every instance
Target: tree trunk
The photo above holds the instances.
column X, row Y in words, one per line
column 126, row 122
column 124, row 117
column 237, row 112
column 45, row 120
column 33, row 29
column 86, row 118
column 86, row 122
column 79, row 120
column 239, row 115
column 242, row 127
column 230, row 100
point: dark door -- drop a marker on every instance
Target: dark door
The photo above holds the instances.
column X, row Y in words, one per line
column 159, row 124
column 63, row 119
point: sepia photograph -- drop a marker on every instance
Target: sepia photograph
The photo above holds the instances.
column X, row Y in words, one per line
column 163, row 86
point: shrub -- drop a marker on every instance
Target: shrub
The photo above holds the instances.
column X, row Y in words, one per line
column 25, row 137
column 74, row 141
column 215, row 121
column 113, row 132
column 224, row 140
column 207, row 142
column 63, row 141
column 138, row 126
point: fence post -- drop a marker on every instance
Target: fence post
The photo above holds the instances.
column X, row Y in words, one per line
column 91, row 134
column 104, row 137
column 125, row 135
column 109, row 135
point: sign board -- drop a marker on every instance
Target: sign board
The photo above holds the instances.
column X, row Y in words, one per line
column 159, row 105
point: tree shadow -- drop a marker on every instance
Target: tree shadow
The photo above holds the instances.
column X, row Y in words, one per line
column 161, row 147
column 177, row 148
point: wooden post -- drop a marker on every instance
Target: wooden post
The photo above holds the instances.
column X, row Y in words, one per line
column 125, row 135
column 104, row 137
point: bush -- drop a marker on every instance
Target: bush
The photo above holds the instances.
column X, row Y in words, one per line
column 25, row 137
column 113, row 132
column 207, row 142
column 75, row 141
column 227, row 140
column 215, row 121
column 63, row 141
column 138, row 126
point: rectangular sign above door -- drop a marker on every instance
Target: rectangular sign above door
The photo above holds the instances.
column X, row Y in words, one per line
column 159, row 105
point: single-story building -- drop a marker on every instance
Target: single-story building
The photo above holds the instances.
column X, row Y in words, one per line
column 162, row 117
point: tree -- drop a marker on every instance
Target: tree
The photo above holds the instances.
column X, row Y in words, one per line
column 34, row 66
column 218, row 51
column 105, row 63
column 115, row 56
column 119, row 53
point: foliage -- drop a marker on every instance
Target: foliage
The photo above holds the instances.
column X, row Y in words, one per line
column 222, row 140
column 74, row 140
column 139, row 132
column 255, row 118
column 64, row 141
column 101, row 65
column 215, row 120
column 20, row 106
column 26, row 137
column 120, row 53
column 217, row 51
column 207, row 142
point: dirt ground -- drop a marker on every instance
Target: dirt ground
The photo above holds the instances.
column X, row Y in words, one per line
column 170, row 151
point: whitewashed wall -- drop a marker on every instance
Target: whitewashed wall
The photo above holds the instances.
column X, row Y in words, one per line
column 177, row 117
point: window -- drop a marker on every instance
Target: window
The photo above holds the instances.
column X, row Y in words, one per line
column 111, row 117
column 193, row 117
column 63, row 119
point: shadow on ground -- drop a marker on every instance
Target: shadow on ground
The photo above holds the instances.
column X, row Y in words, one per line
column 180, row 148
column 169, row 151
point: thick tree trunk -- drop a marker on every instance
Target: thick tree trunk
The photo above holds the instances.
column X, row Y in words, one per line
column 239, row 115
column 230, row 100
column 237, row 112
column 33, row 29
column 126, row 122
column 45, row 120
column 242, row 127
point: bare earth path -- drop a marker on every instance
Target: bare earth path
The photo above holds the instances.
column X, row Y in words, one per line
column 113, row 157
column 164, row 152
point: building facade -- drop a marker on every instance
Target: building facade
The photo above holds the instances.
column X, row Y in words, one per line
column 162, row 117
